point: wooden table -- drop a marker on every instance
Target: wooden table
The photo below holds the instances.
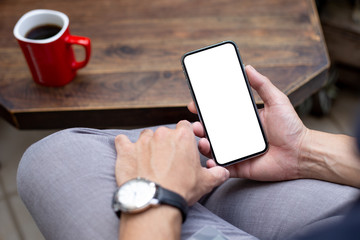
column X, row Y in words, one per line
column 134, row 77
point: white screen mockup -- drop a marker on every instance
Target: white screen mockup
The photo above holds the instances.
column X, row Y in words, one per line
column 224, row 103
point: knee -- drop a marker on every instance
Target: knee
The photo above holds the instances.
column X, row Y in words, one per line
column 47, row 160
column 38, row 161
column 62, row 156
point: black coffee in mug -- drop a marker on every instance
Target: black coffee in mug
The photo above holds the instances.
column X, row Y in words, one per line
column 43, row 32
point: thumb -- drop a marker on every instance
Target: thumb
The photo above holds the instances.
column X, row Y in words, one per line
column 263, row 86
column 217, row 175
column 209, row 178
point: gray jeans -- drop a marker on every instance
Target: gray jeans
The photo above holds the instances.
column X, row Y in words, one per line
column 67, row 181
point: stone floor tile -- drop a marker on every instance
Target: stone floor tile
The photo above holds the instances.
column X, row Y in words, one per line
column 1, row 189
column 27, row 226
column 13, row 144
column 7, row 228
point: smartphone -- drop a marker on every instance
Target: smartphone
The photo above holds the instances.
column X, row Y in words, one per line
column 225, row 104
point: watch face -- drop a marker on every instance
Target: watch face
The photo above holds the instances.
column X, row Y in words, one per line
column 135, row 194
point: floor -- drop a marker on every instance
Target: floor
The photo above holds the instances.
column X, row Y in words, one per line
column 16, row 222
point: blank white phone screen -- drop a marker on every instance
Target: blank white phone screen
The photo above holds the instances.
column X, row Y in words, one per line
column 224, row 103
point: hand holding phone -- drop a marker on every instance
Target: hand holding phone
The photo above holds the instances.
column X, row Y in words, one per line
column 222, row 94
column 288, row 137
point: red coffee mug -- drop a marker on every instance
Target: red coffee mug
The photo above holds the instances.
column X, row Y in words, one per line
column 51, row 59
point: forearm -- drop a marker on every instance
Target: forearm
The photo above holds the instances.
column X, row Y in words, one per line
column 162, row 222
column 330, row 157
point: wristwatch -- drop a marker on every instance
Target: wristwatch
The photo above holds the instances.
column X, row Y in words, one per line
column 139, row 194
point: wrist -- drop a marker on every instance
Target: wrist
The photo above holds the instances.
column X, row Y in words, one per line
column 168, row 223
column 329, row 157
column 310, row 159
column 165, row 211
column 139, row 194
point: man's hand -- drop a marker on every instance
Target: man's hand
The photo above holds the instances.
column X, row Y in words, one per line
column 170, row 158
column 283, row 128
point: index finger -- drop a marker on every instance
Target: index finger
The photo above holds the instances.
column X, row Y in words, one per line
column 122, row 142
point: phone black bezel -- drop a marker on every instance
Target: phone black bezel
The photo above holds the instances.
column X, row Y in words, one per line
column 250, row 93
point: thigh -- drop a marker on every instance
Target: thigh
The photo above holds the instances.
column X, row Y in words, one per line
column 67, row 182
column 279, row 210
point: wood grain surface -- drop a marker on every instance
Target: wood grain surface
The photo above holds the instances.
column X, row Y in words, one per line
column 134, row 77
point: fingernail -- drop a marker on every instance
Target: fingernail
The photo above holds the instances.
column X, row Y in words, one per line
column 251, row 68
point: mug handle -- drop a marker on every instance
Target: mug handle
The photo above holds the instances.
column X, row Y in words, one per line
column 86, row 43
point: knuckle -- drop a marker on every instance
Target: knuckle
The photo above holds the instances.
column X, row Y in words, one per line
column 122, row 144
column 146, row 132
column 185, row 124
column 266, row 78
column 119, row 139
column 161, row 132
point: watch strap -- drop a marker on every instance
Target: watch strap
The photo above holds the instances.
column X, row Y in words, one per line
column 172, row 199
